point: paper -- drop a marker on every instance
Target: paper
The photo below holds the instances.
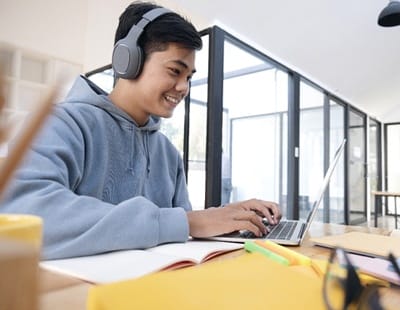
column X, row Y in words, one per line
column 395, row 233
column 123, row 265
column 362, row 243
column 377, row 267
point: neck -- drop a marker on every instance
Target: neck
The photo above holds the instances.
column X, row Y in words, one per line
column 122, row 98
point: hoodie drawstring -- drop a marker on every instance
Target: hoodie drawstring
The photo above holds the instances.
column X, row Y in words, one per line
column 146, row 150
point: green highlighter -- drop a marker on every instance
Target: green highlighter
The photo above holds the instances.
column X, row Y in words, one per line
column 250, row 246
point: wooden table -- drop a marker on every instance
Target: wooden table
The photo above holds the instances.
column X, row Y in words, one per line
column 61, row 292
column 378, row 196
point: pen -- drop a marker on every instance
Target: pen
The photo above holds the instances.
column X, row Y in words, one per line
column 251, row 246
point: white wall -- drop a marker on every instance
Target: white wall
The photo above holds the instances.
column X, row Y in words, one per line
column 102, row 22
column 54, row 28
column 79, row 31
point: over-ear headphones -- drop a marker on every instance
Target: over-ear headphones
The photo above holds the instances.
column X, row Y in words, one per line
column 127, row 58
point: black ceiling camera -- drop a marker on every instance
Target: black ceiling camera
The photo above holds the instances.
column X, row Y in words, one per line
column 127, row 58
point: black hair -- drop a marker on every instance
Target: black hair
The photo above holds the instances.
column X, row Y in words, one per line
column 168, row 28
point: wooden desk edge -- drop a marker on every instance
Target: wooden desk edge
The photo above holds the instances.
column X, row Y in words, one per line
column 382, row 193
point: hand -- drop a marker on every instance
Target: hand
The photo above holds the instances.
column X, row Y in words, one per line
column 244, row 215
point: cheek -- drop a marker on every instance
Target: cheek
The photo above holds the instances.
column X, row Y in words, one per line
column 160, row 82
column 187, row 90
column 151, row 87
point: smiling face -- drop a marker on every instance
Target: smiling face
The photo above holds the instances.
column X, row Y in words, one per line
column 162, row 84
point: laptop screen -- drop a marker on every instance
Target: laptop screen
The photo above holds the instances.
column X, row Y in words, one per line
column 325, row 182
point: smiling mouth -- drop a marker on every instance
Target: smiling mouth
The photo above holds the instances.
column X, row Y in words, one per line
column 172, row 100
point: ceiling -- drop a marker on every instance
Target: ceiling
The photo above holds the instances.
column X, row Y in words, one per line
column 336, row 44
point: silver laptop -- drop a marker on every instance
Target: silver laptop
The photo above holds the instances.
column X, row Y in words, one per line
column 289, row 232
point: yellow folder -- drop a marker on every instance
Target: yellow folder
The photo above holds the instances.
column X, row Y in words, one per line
column 250, row 281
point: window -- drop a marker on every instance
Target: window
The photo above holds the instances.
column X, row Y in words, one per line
column 357, row 166
column 311, row 157
column 392, row 165
column 254, row 113
column 337, row 184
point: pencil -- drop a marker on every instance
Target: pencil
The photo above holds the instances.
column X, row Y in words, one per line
column 3, row 130
column 17, row 152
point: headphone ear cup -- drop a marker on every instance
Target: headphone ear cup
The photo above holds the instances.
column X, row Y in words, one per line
column 137, row 62
column 127, row 61
column 128, row 56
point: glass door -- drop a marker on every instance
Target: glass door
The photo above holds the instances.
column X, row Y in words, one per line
column 253, row 131
column 356, row 167
column 311, row 157
column 373, row 163
column 337, row 183
column 392, row 162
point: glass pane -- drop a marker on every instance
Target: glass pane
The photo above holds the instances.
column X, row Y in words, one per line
column 373, row 170
column 104, row 79
column 173, row 127
column 197, row 155
column 236, row 59
column 259, row 176
column 198, row 129
column 393, row 167
column 356, row 156
column 254, row 104
column 336, row 186
column 311, row 160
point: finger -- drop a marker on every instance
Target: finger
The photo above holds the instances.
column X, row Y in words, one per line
column 253, row 222
column 274, row 215
column 274, row 212
column 253, row 228
column 267, row 209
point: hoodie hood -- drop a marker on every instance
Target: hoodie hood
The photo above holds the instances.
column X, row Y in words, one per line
column 85, row 91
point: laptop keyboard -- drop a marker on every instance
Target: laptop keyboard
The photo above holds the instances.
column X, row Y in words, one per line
column 283, row 230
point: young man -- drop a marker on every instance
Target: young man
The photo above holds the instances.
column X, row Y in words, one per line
column 103, row 177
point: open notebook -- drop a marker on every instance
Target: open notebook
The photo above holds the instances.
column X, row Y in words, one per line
column 290, row 232
column 129, row 264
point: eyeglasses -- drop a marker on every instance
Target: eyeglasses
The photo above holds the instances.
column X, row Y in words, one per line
column 343, row 289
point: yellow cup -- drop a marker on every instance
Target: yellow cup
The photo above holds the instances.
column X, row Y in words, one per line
column 22, row 227
column 20, row 245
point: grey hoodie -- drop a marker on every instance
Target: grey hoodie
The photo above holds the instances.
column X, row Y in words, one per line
column 99, row 181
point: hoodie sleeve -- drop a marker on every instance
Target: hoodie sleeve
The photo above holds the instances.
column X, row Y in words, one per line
column 76, row 224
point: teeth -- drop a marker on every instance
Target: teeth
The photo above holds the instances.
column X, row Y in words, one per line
column 172, row 99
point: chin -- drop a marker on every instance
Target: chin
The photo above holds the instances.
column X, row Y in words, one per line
column 163, row 115
column 167, row 114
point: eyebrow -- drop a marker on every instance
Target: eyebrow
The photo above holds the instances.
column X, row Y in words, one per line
column 183, row 64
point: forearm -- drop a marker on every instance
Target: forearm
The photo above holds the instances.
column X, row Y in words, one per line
column 82, row 225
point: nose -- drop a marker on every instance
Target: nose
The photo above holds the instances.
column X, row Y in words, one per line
column 182, row 86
